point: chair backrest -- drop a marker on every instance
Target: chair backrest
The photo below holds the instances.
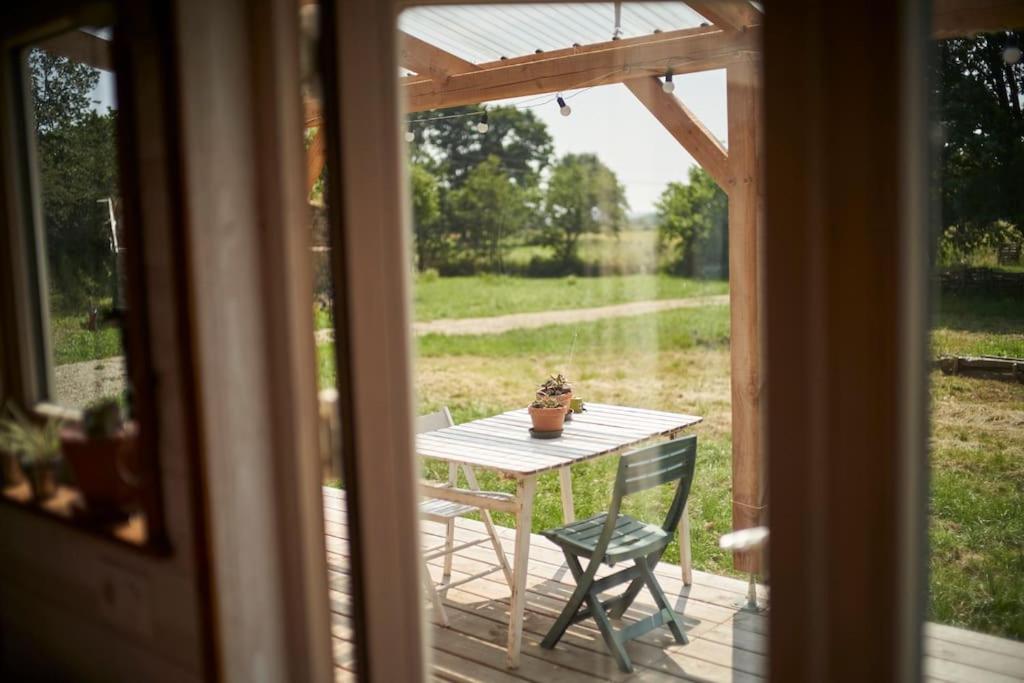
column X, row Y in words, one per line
column 433, row 421
column 652, row 466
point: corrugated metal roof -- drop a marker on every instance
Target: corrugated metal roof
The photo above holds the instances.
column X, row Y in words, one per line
column 486, row 33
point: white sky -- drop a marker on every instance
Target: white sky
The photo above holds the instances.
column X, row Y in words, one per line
column 610, row 122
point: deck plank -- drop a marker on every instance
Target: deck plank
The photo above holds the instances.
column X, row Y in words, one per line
column 725, row 644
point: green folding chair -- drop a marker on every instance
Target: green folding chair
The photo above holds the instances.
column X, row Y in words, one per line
column 610, row 538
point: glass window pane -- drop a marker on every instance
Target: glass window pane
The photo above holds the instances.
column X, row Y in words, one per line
column 81, row 241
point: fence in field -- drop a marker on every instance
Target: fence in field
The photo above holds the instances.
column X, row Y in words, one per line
column 986, row 281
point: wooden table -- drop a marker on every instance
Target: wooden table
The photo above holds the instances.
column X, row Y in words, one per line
column 502, row 443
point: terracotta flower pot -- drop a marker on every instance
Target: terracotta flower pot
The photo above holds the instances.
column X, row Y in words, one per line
column 42, row 478
column 547, row 419
column 105, row 469
column 10, row 470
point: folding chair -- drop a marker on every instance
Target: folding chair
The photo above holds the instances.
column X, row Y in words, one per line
column 611, row 537
column 436, row 509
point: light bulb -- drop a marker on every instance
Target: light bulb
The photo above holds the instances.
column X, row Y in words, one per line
column 481, row 126
column 668, row 86
column 564, row 108
column 409, row 135
column 1011, row 54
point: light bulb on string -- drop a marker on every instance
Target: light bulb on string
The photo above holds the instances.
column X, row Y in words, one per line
column 1011, row 53
column 409, row 135
column 668, row 86
column 481, row 126
column 564, row 108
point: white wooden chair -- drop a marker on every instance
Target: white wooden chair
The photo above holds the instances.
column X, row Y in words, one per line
column 442, row 503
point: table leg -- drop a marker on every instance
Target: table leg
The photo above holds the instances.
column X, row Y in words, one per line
column 525, row 488
column 685, row 557
column 568, row 509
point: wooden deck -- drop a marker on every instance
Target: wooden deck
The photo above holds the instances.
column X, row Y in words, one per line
column 725, row 644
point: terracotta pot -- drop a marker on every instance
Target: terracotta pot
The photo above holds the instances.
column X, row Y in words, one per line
column 547, row 419
column 10, row 470
column 43, row 480
column 106, row 469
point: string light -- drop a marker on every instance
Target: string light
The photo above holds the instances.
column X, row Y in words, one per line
column 482, row 126
column 564, row 108
column 409, row 135
column 1011, row 53
column 668, row 86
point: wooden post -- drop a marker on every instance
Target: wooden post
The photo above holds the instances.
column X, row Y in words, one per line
column 745, row 299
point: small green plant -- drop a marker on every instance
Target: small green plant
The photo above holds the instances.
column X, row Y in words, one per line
column 545, row 402
column 103, row 419
column 555, row 385
column 429, row 275
column 32, row 444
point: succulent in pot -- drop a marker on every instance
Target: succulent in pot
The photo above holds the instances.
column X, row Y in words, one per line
column 547, row 414
column 103, row 453
column 37, row 449
column 558, row 388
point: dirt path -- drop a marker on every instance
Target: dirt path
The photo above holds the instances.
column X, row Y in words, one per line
column 523, row 321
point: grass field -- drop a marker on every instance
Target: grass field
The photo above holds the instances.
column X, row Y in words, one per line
column 679, row 360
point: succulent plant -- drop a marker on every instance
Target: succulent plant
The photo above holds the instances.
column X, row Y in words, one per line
column 555, row 385
column 32, row 444
column 102, row 419
column 546, row 402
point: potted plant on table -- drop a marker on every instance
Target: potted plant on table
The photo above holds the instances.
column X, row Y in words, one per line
column 547, row 415
column 558, row 388
column 37, row 449
column 103, row 454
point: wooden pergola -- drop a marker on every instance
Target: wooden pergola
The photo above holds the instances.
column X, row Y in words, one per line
column 730, row 39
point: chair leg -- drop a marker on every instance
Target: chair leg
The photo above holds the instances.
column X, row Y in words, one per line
column 633, row 590
column 449, row 545
column 428, row 584
column 615, row 645
column 489, row 525
column 572, row 606
column 675, row 624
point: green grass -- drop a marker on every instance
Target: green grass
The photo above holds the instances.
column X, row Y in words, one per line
column 487, row 295
column 72, row 344
column 976, row 326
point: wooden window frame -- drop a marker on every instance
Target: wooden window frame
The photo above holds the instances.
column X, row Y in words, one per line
column 26, row 356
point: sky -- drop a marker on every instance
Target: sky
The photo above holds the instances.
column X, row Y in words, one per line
column 610, row 122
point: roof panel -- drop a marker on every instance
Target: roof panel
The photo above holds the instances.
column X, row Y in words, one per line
column 486, row 33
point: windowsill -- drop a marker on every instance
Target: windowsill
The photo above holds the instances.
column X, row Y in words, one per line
column 68, row 507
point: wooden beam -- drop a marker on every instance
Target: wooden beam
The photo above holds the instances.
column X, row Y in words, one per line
column 743, row 92
column 81, row 47
column 429, row 60
column 960, row 18
column 734, row 15
column 609, row 63
column 684, row 126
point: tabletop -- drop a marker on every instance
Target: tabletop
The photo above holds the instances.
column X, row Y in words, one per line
column 503, row 442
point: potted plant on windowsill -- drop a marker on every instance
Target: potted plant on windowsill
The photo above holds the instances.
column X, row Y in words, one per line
column 558, row 388
column 103, row 454
column 37, row 449
column 547, row 415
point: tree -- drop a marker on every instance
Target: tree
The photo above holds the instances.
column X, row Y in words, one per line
column 76, row 150
column 454, row 146
column 692, row 217
column 488, row 210
column 426, row 211
column 583, row 195
column 982, row 157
